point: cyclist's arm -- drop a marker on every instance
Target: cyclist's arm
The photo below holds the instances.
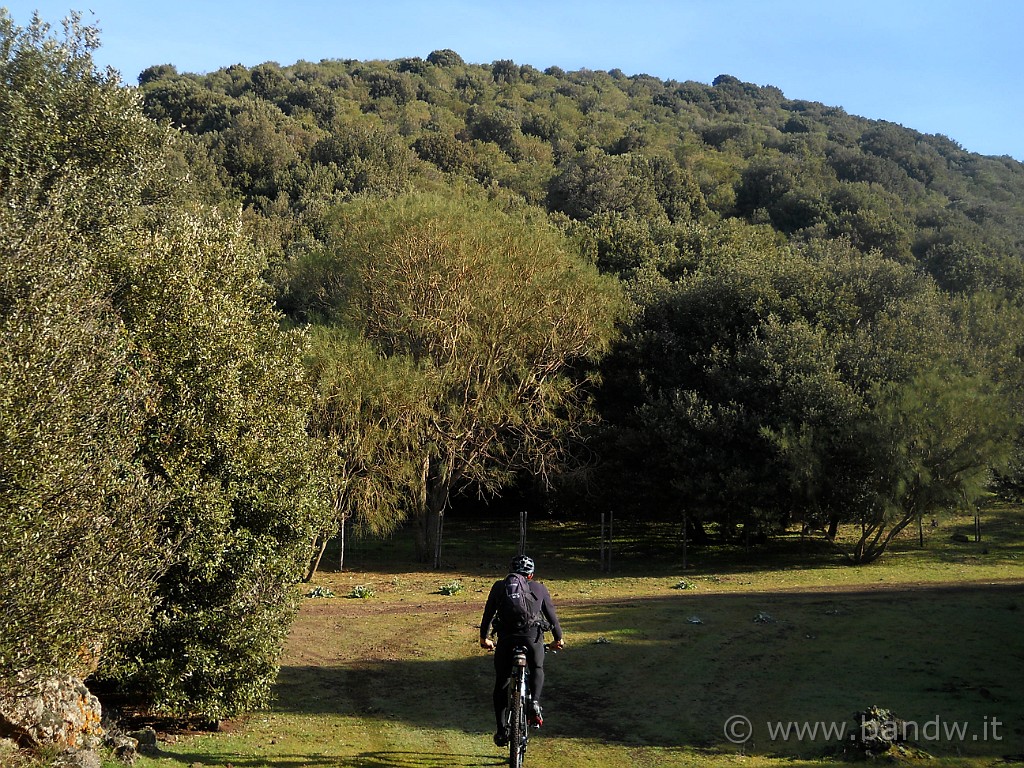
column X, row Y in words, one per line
column 490, row 609
column 548, row 609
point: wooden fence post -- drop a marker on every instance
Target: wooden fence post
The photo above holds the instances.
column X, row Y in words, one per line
column 522, row 532
column 686, row 534
column 602, row 542
column 611, row 534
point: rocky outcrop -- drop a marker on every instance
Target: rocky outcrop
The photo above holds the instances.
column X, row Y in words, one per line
column 53, row 712
column 880, row 733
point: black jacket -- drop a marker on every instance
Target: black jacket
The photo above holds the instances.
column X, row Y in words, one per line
column 547, row 608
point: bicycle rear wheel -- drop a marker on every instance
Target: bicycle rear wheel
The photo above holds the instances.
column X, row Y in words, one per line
column 518, row 734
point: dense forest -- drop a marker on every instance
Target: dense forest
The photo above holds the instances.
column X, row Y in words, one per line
column 242, row 308
column 822, row 307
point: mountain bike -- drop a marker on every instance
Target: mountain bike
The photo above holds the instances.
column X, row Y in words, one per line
column 520, row 705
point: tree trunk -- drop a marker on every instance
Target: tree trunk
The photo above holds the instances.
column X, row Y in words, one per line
column 428, row 531
column 324, row 538
column 420, row 537
column 875, row 538
column 314, row 562
column 437, row 502
column 341, row 544
column 421, row 526
column 433, row 501
column 696, row 533
column 438, row 537
column 833, row 527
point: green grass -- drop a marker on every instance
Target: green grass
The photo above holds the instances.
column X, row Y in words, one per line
column 933, row 634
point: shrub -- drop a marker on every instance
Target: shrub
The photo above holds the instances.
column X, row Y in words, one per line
column 320, row 592
column 451, row 588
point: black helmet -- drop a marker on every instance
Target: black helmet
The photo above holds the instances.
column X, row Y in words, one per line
column 521, row 564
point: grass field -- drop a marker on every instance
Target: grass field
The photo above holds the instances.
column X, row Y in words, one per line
column 659, row 660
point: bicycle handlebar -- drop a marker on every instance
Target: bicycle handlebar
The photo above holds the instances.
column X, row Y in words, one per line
column 552, row 647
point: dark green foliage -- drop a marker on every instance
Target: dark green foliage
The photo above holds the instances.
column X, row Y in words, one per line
column 364, row 155
column 445, row 58
column 414, row 64
column 157, row 494
column 446, row 152
column 598, row 183
column 388, row 85
column 79, row 540
column 258, row 152
column 184, row 104
column 808, row 169
column 505, row 71
column 268, row 82
column 499, row 125
column 682, row 149
column 156, row 72
column 766, row 384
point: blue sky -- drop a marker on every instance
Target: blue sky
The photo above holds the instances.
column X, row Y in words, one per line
column 938, row 66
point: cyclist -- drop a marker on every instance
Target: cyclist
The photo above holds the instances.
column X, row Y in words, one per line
column 531, row 638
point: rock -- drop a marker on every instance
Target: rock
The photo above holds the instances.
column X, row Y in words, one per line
column 878, row 729
column 146, row 737
column 57, row 713
column 125, row 748
column 78, row 758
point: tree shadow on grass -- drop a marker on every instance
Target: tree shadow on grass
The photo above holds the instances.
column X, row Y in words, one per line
column 379, row 759
column 264, row 761
column 670, row 672
column 410, row 759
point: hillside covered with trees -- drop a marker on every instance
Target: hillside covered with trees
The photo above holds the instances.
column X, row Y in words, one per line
column 243, row 308
column 822, row 307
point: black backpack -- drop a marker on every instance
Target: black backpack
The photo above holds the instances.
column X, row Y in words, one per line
column 518, row 608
